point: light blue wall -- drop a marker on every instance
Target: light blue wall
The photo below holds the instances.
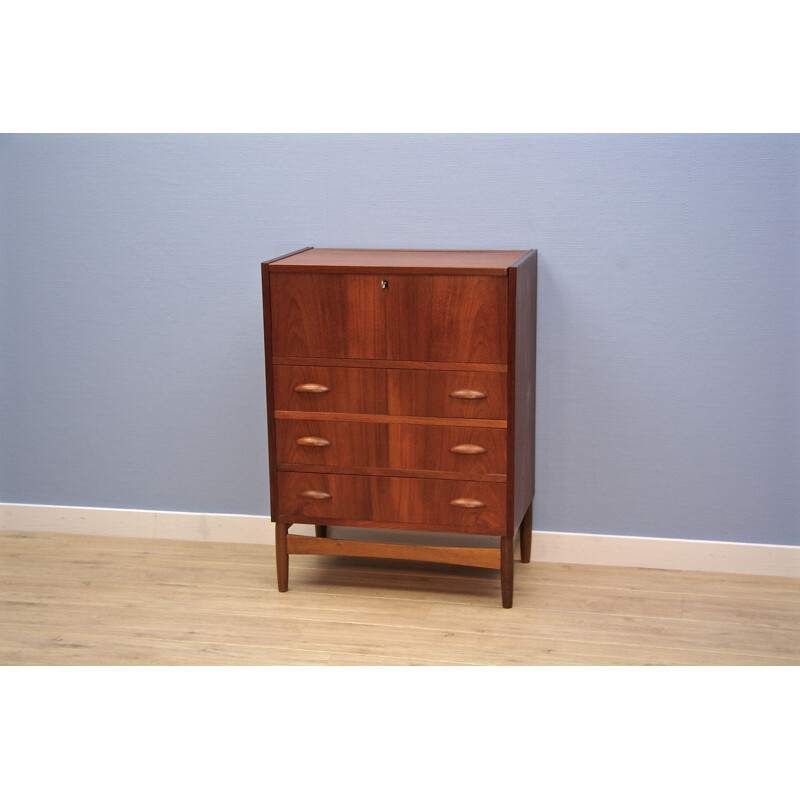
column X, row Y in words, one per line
column 669, row 350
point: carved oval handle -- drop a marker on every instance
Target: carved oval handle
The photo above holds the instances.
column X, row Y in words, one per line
column 311, row 388
column 467, row 394
column 467, row 502
column 468, row 449
column 314, row 494
column 313, row 441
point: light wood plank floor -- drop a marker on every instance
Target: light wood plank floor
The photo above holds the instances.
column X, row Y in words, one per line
column 68, row 599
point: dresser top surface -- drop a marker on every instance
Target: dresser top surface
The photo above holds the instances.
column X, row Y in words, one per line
column 333, row 258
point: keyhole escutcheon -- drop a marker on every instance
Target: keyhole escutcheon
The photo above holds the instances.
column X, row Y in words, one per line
column 384, row 284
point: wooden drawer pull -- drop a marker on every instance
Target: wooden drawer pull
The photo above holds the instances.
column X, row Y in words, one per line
column 468, row 449
column 313, row 441
column 314, row 494
column 467, row 502
column 467, row 394
column 311, row 388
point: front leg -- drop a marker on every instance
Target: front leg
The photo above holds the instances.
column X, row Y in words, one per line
column 507, row 570
column 282, row 555
column 525, row 536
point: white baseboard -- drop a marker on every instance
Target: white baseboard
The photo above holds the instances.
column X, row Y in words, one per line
column 654, row 553
column 233, row 528
column 569, row 548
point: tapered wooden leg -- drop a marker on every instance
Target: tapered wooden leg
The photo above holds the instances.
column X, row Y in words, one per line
column 282, row 556
column 525, row 535
column 321, row 531
column 507, row 570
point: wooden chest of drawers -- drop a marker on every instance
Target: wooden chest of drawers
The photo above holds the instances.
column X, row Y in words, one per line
column 400, row 395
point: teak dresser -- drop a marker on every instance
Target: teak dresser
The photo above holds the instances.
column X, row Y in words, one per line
column 400, row 395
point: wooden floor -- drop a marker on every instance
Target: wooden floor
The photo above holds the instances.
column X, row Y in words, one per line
column 68, row 599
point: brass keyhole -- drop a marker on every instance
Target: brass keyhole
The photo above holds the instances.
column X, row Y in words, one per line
column 384, row 284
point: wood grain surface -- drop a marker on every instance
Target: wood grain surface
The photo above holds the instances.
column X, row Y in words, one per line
column 445, row 261
column 475, row 366
column 417, row 318
column 444, row 318
column 325, row 315
column 523, row 395
column 391, row 446
column 487, row 557
column 363, row 429
column 68, row 599
column 266, row 305
column 461, row 422
column 418, row 501
column 401, row 392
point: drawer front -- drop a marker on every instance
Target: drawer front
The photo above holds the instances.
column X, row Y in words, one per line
column 354, row 390
column 445, row 393
column 414, row 318
column 469, row 506
column 401, row 392
column 402, row 446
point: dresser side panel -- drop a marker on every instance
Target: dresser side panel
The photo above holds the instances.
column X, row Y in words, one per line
column 270, row 384
column 524, row 398
column 510, row 393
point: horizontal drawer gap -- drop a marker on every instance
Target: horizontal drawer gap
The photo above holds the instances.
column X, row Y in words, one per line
column 451, row 366
column 466, row 556
column 344, row 417
column 387, row 472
